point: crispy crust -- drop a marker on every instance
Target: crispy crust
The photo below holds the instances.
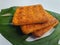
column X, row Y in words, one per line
column 40, row 32
column 29, row 14
column 26, row 29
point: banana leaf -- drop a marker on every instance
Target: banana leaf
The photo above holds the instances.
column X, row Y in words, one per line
column 16, row 37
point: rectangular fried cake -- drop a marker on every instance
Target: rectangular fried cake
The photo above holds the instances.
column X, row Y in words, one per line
column 29, row 15
column 40, row 32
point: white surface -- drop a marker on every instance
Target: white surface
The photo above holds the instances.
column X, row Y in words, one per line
column 30, row 38
column 4, row 41
column 59, row 42
column 53, row 5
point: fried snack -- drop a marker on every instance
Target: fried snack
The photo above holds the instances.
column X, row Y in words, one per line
column 40, row 32
column 26, row 29
column 29, row 15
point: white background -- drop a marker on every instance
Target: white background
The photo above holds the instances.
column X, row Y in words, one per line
column 52, row 5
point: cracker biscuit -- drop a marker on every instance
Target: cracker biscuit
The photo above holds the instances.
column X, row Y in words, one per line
column 40, row 32
column 29, row 15
column 26, row 29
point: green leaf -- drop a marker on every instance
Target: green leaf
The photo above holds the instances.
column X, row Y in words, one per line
column 15, row 36
column 7, row 19
column 8, row 10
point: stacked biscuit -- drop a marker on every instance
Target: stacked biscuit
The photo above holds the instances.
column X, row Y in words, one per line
column 34, row 19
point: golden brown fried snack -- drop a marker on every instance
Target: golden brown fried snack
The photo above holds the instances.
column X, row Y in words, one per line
column 26, row 29
column 40, row 32
column 29, row 14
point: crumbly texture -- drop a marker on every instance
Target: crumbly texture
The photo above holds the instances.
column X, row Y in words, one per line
column 29, row 15
column 40, row 32
column 26, row 29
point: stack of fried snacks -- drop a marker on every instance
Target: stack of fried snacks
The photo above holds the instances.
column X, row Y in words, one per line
column 34, row 19
column 33, row 27
column 40, row 32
